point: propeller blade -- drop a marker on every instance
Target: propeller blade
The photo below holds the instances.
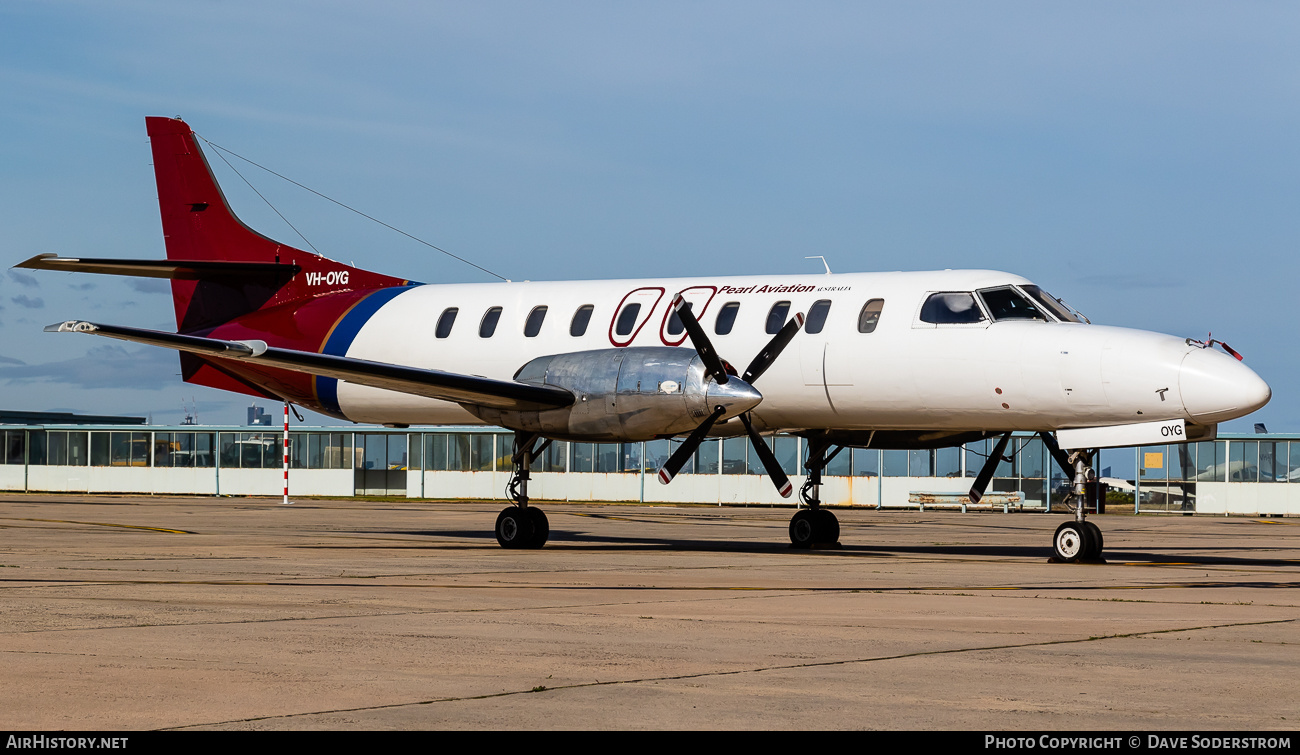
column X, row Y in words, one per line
column 1062, row 459
column 712, row 362
column 675, row 462
column 986, row 472
column 773, row 349
column 779, row 478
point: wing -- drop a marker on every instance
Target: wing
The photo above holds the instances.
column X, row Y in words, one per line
column 446, row 386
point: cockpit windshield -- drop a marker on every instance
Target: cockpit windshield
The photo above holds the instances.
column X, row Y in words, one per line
column 1051, row 304
column 1006, row 303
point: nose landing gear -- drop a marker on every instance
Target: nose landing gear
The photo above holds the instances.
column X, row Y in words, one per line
column 1078, row 540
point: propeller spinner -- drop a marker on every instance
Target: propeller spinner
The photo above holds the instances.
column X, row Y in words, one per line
column 717, row 370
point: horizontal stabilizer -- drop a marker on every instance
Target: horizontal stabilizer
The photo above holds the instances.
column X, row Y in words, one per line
column 445, row 386
column 176, row 269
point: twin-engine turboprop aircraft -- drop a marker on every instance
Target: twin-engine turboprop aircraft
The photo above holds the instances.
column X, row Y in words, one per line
column 884, row 360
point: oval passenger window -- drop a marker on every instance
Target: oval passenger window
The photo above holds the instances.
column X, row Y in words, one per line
column 675, row 326
column 726, row 318
column 534, row 324
column 817, row 316
column 445, row 322
column 870, row 315
column 489, row 324
column 776, row 317
column 627, row 319
column 581, row 318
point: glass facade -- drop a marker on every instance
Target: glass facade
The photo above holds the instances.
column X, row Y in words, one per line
column 1151, row 478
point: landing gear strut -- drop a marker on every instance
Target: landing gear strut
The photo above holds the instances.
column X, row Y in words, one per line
column 1078, row 540
column 815, row 526
column 521, row 525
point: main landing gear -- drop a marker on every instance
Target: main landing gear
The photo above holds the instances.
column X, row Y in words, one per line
column 815, row 527
column 1078, row 540
column 521, row 525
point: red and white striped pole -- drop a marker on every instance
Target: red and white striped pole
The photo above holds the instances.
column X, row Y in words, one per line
column 286, row 453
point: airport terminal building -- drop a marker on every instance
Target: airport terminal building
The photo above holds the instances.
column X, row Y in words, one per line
column 1237, row 474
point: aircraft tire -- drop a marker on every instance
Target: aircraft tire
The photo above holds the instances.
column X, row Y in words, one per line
column 514, row 527
column 828, row 527
column 803, row 528
column 1071, row 542
column 1098, row 542
column 541, row 527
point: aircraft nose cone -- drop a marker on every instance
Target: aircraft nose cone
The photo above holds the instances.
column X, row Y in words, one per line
column 1216, row 387
column 736, row 396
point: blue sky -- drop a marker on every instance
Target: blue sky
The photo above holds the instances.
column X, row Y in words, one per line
column 1139, row 160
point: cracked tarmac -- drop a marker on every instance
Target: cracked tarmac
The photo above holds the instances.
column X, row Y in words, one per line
column 136, row 613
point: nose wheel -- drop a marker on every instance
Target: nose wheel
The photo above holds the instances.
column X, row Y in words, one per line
column 1078, row 540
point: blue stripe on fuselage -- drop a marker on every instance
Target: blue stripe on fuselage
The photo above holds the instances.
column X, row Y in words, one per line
column 340, row 340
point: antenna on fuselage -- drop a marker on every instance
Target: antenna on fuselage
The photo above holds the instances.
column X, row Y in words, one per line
column 823, row 259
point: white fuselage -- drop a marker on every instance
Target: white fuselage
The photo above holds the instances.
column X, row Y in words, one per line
column 906, row 374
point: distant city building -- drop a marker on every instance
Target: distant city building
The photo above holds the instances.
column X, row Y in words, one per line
column 258, row 416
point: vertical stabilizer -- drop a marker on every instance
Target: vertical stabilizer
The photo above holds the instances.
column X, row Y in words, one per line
column 199, row 225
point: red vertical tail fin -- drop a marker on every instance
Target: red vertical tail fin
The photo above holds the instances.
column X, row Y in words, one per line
column 199, row 225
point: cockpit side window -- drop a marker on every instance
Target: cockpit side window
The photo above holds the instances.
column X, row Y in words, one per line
column 1006, row 303
column 951, row 308
column 1051, row 304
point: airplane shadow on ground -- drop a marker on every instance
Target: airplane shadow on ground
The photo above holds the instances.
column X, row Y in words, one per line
column 573, row 540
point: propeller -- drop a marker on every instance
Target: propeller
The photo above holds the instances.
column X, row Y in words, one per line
column 986, row 472
column 716, row 368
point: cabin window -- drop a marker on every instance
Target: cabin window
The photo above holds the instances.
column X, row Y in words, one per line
column 726, row 318
column 817, row 316
column 951, row 308
column 776, row 317
column 869, row 317
column 445, row 322
column 1006, row 303
column 627, row 319
column 534, row 324
column 489, row 324
column 675, row 325
column 581, row 318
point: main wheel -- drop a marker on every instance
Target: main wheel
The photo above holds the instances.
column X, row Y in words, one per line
column 514, row 527
column 1072, row 541
column 828, row 527
column 1097, row 540
column 803, row 528
column 541, row 527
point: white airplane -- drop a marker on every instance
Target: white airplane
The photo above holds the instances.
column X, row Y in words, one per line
column 879, row 360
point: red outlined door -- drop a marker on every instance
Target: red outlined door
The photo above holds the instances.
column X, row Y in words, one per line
column 632, row 314
column 699, row 298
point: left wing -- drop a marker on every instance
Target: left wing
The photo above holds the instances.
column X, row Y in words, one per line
column 446, row 386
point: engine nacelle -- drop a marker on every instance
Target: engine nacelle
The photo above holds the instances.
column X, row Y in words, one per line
column 625, row 394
